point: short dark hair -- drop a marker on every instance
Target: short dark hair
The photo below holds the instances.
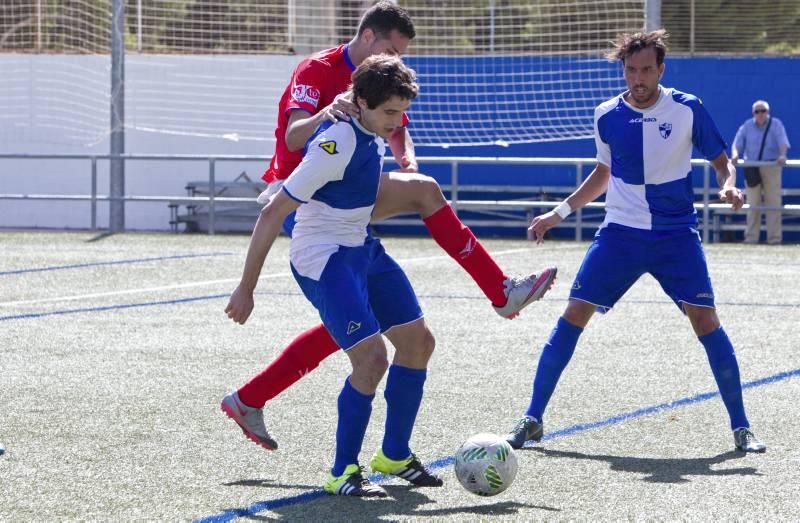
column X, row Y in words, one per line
column 627, row 44
column 382, row 76
column 383, row 17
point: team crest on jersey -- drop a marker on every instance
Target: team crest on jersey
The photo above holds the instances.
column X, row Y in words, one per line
column 329, row 147
column 665, row 129
column 306, row 94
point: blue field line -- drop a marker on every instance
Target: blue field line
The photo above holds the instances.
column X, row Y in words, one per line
column 298, row 294
column 261, row 506
column 111, row 307
column 117, row 262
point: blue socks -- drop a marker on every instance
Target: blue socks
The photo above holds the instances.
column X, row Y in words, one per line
column 403, row 396
column 354, row 412
column 554, row 358
column 726, row 372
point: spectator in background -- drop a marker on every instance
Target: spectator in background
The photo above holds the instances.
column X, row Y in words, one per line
column 763, row 137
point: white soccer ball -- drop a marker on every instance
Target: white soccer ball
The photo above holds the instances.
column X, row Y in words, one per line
column 486, row 464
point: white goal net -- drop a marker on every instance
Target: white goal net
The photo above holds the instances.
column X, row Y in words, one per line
column 491, row 71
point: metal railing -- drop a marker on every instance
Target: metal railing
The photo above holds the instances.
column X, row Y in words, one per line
column 705, row 208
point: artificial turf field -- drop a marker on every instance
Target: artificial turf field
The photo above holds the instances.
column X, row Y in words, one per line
column 115, row 353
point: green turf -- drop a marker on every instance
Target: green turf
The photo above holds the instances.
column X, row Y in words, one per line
column 113, row 415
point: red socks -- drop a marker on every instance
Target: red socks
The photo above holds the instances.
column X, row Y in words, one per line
column 459, row 242
column 299, row 358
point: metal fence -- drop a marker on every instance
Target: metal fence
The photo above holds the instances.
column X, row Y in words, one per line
column 705, row 207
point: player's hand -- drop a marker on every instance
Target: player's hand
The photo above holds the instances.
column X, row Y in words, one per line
column 240, row 305
column 733, row 196
column 342, row 108
column 543, row 223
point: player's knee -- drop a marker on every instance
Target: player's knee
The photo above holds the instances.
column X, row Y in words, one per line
column 704, row 320
column 369, row 366
column 427, row 344
column 428, row 195
column 578, row 313
column 375, row 364
column 421, row 349
column 425, row 196
column 705, row 325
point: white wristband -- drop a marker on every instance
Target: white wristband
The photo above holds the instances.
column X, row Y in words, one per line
column 563, row 210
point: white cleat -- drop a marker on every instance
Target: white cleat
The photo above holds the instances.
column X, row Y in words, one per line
column 249, row 419
column 521, row 292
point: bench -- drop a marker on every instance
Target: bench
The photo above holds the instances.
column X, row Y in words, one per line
column 235, row 207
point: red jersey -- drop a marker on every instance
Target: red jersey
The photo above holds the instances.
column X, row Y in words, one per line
column 316, row 81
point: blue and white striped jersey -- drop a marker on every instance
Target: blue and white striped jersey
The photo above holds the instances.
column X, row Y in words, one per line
column 649, row 152
column 337, row 182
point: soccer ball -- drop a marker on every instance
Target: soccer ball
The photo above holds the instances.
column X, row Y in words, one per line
column 486, row 464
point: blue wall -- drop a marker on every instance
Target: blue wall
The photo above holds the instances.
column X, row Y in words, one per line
column 727, row 86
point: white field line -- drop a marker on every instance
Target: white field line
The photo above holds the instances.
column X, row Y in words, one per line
column 204, row 283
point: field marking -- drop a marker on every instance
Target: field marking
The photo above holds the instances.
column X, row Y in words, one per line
column 186, row 285
column 118, row 262
column 306, row 497
column 135, row 291
column 31, row 315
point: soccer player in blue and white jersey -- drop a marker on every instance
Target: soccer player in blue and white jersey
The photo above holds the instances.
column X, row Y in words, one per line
column 359, row 291
column 644, row 141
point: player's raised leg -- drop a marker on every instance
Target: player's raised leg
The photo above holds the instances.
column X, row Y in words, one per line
column 301, row 356
column 404, row 193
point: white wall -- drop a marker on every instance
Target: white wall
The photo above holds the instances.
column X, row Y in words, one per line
column 174, row 105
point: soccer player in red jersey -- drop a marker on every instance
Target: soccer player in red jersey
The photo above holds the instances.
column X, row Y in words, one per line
column 318, row 92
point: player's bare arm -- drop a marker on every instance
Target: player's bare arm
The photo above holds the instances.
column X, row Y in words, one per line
column 266, row 230
column 592, row 188
column 402, row 147
column 302, row 124
column 726, row 178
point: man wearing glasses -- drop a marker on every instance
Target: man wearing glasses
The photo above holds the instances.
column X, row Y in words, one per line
column 763, row 137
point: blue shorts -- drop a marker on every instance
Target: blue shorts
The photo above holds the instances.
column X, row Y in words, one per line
column 361, row 292
column 619, row 255
column 288, row 223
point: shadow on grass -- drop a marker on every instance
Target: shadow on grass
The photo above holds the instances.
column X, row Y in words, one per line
column 404, row 501
column 101, row 236
column 661, row 470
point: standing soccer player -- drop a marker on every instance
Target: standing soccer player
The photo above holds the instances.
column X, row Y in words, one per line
column 644, row 143
column 358, row 289
column 316, row 95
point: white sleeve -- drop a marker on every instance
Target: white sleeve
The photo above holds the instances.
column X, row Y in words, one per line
column 325, row 160
column 603, row 150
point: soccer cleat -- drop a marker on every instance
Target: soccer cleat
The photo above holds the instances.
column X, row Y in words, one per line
column 353, row 483
column 521, row 292
column 527, row 428
column 250, row 419
column 746, row 441
column 410, row 469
